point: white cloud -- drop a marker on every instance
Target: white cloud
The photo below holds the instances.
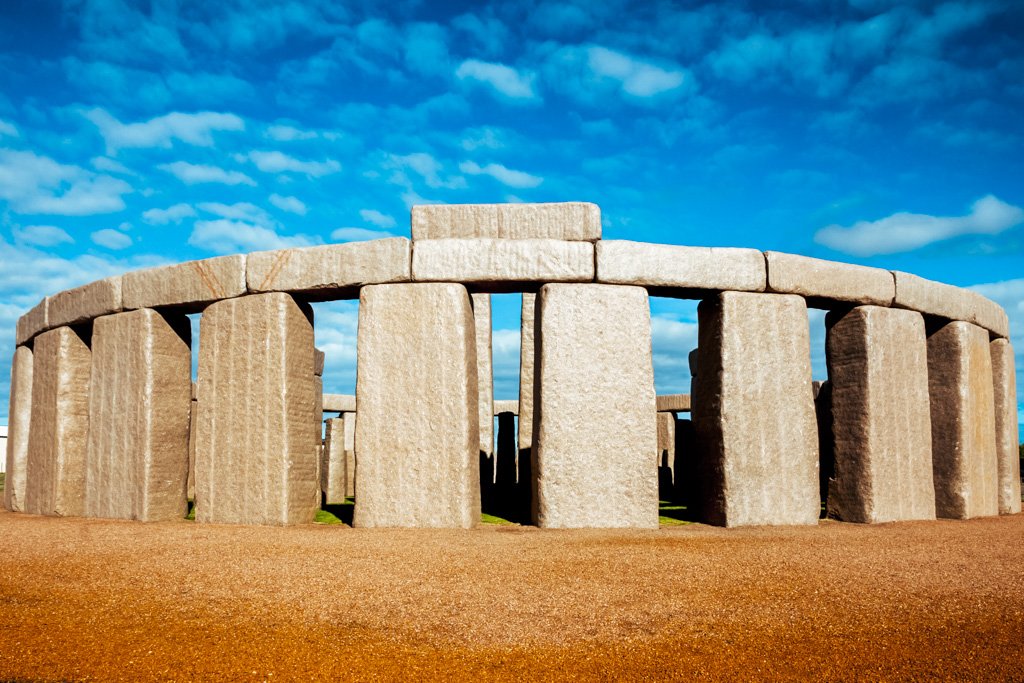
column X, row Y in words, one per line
column 638, row 78
column 503, row 79
column 279, row 162
column 289, row 204
column 358, row 234
column 36, row 184
column 192, row 129
column 197, row 173
column 8, row 129
column 225, row 236
column 110, row 166
column 41, row 235
column 241, row 211
column 172, row 214
column 381, row 220
column 506, row 176
column 906, row 231
column 111, row 239
column 283, row 133
column 428, row 168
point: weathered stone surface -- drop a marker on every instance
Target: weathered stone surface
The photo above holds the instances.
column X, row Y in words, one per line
column 193, row 418
column 674, row 403
column 332, row 467
column 526, row 359
column 502, row 261
column 139, row 400
column 666, row 433
column 58, row 437
column 318, row 413
column 677, row 267
column 818, row 280
column 84, row 303
column 33, row 322
column 878, row 368
column 485, row 373
column 19, row 418
column 331, row 269
column 350, row 453
column 964, row 458
column 947, row 301
column 561, row 221
column 188, row 286
column 318, row 362
column 506, row 407
column 257, row 433
column 418, row 430
column 753, row 411
column 339, row 403
column 1004, row 381
column 595, row 432
column 691, row 361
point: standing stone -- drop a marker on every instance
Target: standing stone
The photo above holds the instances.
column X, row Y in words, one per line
column 1004, row 382
column 318, row 412
column 595, row 426
column 526, row 356
column 485, row 373
column 753, row 411
column 878, row 370
column 19, row 417
column 963, row 422
column 193, row 419
column 350, row 454
column 666, row 453
column 256, row 437
column 332, row 469
column 58, row 438
column 418, row 430
column 140, row 393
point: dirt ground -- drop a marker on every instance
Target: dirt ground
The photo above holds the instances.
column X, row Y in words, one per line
column 105, row 600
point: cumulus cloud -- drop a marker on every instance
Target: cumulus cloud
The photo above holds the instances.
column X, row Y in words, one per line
column 241, row 211
column 906, row 231
column 110, row 166
column 111, row 239
column 192, row 129
column 198, row 173
column 638, row 78
column 503, row 79
column 283, row 133
column 381, row 220
column 279, row 162
column 172, row 214
column 289, row 204
column 426, row 167
column 506, row 176
column 224, row 236
column 41, row 235
column 34, row 184
column 358, row 234
column 8, row 129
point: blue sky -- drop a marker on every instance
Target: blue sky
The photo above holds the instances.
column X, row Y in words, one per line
column 139, row 133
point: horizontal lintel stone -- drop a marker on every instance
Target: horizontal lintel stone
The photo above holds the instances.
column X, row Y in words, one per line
column 194, row 283
column 84, row 303
column 561, row 221
column 947, row 301
column 678, row 267
column 35, row 321
column 673, row 403
column 339, row 403
column 502, row 260
column 506, row 407
column 818, row 279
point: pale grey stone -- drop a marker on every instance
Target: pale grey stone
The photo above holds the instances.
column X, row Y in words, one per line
column 485, row 373
column 502, row 262
column 185, row 286
column 332, row 468
column 947, row 301
column 1004, row 382
column 526, row 358
column 84, row 303
column 561, row 221
column 681, row 268
column 193, row 418
column 339, row 403
column 350, row 453
column 19, row 418
column 820, row 280
column 506, row 407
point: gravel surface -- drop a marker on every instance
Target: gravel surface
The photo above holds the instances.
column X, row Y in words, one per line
column 105, row 600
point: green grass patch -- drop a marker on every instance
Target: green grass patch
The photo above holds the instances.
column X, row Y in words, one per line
column 191, row 516
column 492, row 519
column 325, row 517
column 3, row 477
column 672, row 514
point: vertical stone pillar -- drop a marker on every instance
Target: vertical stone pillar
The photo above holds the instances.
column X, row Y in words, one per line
column 193, row 418
column 418, row 433
column 59, row 433
column 753, row 411
column 596, row 427
column 878, row 373
column 1004, row 381
column 318, row 412
column 140, row 392
column 666, row 460
column 256, row 437
column 485, row 371
column 18, row 420
column 332, row 469
column 350, row 454
column 963, row 422
column 526, row 359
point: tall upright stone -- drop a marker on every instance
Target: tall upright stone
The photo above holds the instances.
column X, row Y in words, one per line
column 418, row 430
column 140, row 394
column 193, row 421
column 753, row 411
column 18, row 420
column 878, row 370
column 595, row 428
column 964, row 459
column 485, row 371
column 350, row 454
column 332, row 467
column 526, row 358
column 1004, row 381
column 59, row 434
column 256, row 436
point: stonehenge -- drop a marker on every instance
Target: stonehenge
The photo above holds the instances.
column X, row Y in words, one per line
column 917, row 418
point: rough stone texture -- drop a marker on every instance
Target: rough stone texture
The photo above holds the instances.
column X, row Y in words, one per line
column 257, row 433
column 339, row 403
column 318, row 362
column 753, row 411
column 350, row 453
column 564, row 221
column 188, row 286
column 18, row 420
column 963, row 422
column 818, row 280
column 595, row 428
column 691, row 361
column 485, row 372
column 684, row 268
column 58, row 438
column 878, row 368
column 193, row 419
column 418, row 430
column 86, row 302
column 139, row 399
column 318, row 413
column 500, row 261
column 506, row 407
column 674, row 403
column 1004, row 381
column 947, row 301
column 331, row 269
column 526, row 358
column 33, row 322
column 666, row 433
column 332, row 467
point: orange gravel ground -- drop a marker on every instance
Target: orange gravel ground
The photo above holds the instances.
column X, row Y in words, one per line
column 105, row 600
